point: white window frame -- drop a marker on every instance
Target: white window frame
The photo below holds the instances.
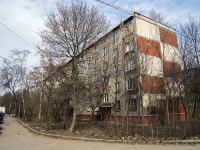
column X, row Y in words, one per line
column 96, row 48
column 115, row 36
column 106, row 98
column 105, row 52
column 128, row 47
column 96, row 62
column 117, row 89
column 116, row 68
column 130, row 65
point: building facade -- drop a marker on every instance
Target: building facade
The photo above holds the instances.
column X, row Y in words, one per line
column 131, row 72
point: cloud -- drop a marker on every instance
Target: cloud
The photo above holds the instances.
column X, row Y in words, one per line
column 30, row 14
column 26, row 14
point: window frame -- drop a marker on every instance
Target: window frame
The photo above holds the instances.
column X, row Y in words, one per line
column 133, row 105
column 105, row 99
column 117, row 87
column 115, row 37
column 96, row 62
column 130, row 64
column 96, row 76
column 117, row 105
column 116, row 68
column 105, row 51
column 128, row 47
column 96, row 48
column 131, row 82
column 115, row 52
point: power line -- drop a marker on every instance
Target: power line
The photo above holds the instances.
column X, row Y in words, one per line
column 19, row 36
column 118, row 8
column 131, row 13
column 18, row 27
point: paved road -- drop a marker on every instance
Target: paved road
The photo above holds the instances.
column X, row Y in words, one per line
column 13, row 136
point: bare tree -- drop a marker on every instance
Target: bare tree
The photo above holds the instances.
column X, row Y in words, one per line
column 189, row 41
column 158, row 16
column 69, row 32
column 9, row 79
column 35, row 79
column 19, row 57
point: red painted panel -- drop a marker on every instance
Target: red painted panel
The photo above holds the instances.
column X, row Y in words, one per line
column 149, row 47
column 168, row 37
column 172, row 69
column 152, row 84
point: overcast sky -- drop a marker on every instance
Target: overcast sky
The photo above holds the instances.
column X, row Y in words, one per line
column 30, row 15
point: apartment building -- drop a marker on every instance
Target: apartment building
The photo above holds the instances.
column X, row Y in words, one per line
column 129, row 71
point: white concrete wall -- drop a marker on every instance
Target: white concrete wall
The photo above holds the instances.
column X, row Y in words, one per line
column 170, row 53
column 147, row 30
column 151, row 65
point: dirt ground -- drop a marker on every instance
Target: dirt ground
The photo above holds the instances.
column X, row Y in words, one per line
column 137, row 133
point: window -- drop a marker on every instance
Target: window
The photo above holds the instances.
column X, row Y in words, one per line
column 106, row 98
column 96, row 76
column 105, row 80
column 128, row 47
column 196, row 80
column 130, row 65
column 131, row 83
column 115, row 37
column 129, row 27
column 96, row 62
column 82, row 69
column 89, row 79
column 96, row 48
column 133, row 105
column 105, row 65
column 116, row 68
column 115, row 52
column 105, row 51
column 88, row 56
column 117, row 87
column 117, row 105
column 89, row 67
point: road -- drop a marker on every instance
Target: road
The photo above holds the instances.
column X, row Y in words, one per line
column 13, row 136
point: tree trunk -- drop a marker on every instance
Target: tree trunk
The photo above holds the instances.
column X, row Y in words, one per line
column 19, row 106
column 24, row 110
column 73, row 121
